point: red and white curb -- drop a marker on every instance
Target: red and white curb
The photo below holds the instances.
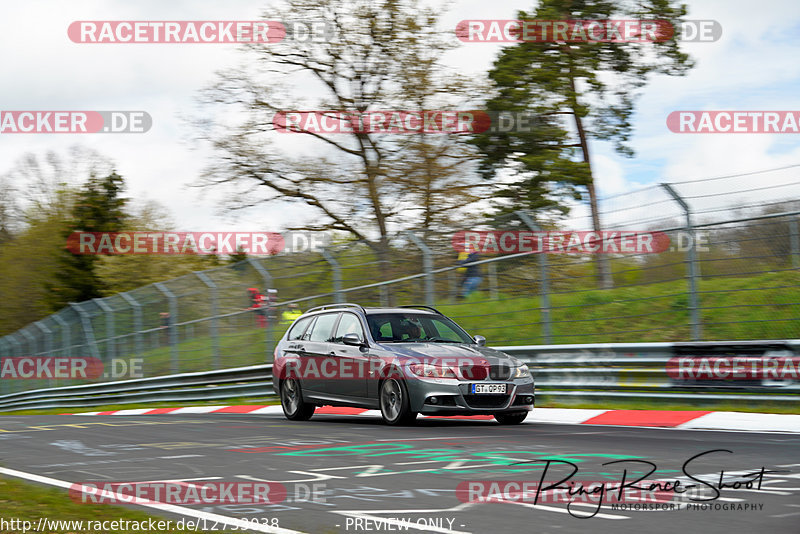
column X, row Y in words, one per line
column 694, row 420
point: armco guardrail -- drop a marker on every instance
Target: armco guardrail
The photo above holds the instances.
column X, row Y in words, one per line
column 639, row 370
column 618, row 370
column 252, row 381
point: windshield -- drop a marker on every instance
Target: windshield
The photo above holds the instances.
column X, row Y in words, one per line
column 415, row 327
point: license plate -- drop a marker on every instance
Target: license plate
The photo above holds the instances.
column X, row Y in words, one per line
column 497, row 389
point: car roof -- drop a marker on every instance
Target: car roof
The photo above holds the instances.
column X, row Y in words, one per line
column 372, row 311
column 329, row 308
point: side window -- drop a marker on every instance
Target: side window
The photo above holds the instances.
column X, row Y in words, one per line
column 385, row 331
column 323, row 328
column 296, row 333
column 445, row 332
column 349, row 324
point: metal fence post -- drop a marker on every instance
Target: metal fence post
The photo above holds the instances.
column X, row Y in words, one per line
column 794, row 242
column 110, row 330
column 4, row 382
column 48, row 337
column 88, row 331
column 337, row 275
column 547, row 321
column 66, row 343
column 694, row 308
column 173, row 327
column 427, row 266
column 260, row 269
column 214, row 316
column 137, row 322
column 18, row 346
column 31, row 340
column 492, row 268
column 48, row 343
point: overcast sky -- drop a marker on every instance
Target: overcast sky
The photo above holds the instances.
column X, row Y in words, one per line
column 754, row 66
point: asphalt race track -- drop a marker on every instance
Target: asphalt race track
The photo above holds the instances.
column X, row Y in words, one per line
column 352, row 474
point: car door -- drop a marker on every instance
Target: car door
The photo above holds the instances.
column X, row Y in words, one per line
column 317, row 347
column 351, row 361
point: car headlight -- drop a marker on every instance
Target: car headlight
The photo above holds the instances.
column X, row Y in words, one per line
column 428, row 370
column 521, row 372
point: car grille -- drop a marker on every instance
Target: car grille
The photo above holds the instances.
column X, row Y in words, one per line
column 499, row 372
column 481, row 372
column 486, row 401
column 474, row 372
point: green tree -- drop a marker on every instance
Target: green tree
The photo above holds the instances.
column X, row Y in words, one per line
column 579, row 91
column 98, row 207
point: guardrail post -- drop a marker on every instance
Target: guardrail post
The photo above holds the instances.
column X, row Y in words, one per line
column 173, row 327
column 337, row 275
column 214, row 316
column 547, row 321
column 794, row 242
column 694, row 307
column 137, row 322
column 427, row 266
column 88, row 331
column 260, row 269
column 110, row 329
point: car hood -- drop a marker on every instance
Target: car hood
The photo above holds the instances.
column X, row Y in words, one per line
column 451, row 351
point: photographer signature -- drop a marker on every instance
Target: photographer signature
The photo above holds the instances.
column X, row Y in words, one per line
column 752, row 480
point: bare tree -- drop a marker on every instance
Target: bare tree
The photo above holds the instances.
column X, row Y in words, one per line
column 382, row 55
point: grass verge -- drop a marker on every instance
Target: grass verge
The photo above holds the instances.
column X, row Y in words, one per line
column 23, row 501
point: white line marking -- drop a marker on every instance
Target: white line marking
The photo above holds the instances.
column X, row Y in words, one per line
column 230, row 521
column 137, row 411
column 196, row 409
column 454, row 438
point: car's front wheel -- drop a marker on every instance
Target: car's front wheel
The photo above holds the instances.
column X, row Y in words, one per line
column 510, row 418
column 294, row 408
column 395, row 404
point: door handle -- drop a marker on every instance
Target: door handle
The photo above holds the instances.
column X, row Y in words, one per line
column 331, row 353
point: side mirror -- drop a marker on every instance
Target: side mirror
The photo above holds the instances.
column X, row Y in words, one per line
column 480, row 341
column 352, row 339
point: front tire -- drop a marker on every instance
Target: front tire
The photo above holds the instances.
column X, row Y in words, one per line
column 510, row 418
column 294, row 408
column 395, row 404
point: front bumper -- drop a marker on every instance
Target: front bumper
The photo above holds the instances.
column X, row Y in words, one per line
column 453, row 397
